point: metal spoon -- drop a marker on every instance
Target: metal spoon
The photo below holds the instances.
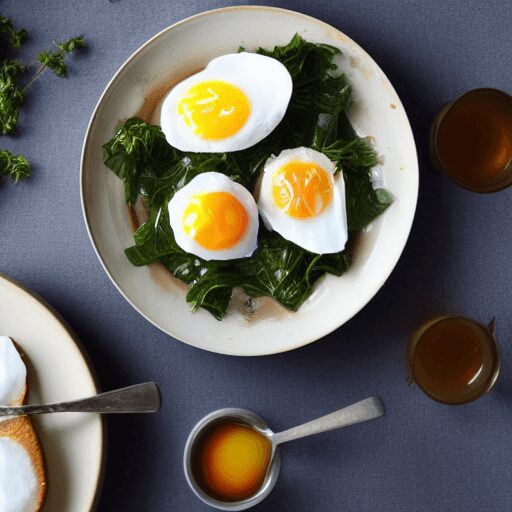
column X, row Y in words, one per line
column 139, row 398
column 356, row 413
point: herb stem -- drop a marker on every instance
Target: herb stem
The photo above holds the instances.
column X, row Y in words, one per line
column 35, row 76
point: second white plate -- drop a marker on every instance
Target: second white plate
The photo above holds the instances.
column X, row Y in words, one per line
column 73, row 443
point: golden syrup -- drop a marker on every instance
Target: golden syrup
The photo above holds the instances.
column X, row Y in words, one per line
column 454, row 360
column 473, row 139
column 230, row 461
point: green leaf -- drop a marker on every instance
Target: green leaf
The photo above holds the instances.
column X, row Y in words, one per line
column 15, row 167
column 317, row 84
column 55, row 60
column 364, row 203
column 72, row 44
column 325, row 131
column 285, row 271
column 137, row 153
column 15, row 37
column 11, row 96
column 153, row 240
column 355, row 158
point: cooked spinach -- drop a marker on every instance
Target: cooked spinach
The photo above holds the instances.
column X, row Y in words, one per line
column 355, row 158
column 151, row 168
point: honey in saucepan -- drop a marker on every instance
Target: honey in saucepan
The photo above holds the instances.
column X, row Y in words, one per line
column 230, row 460
column 453, row 359
column 471, row 140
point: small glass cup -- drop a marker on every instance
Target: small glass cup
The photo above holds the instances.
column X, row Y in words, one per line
column 488, row 100
column 453, row 359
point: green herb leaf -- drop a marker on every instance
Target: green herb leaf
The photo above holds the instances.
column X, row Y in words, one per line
column 11, row 96
column 72, row 44
column 356, row 158
column 55, row 60
column 364, row 203
column 15, row 167
column 149, row 166
column 15, row 37
column 285, row 271
column 317, row 84
column 139, row 150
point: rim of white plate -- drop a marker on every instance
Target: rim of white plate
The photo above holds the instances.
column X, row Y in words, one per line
column 406, row 229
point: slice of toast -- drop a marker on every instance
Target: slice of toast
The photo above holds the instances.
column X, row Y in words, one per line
column 21, row 430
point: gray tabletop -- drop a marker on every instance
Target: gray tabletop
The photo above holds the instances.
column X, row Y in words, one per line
column 422, row 456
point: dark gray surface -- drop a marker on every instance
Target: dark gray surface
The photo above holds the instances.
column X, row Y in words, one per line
column 422, row 456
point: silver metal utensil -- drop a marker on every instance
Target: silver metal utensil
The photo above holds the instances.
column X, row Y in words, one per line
column 140, row 398
column 356, row 413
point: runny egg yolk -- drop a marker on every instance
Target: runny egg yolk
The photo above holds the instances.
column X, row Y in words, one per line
column 215, row 110
column 215, row 220
column 230, row 461
column 301, row 189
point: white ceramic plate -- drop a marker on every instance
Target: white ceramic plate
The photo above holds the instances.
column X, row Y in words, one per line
column 181, row 50
column 73, row 443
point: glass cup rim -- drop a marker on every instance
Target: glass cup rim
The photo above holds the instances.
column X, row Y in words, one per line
column 493, row 185
column 428, row 324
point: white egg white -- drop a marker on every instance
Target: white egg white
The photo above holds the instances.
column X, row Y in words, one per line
column 18, row 479
column 214, row 182
column 324, row 234
column 13, row 373
column 264, row 80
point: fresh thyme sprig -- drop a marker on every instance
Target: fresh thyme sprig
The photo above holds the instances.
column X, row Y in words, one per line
column 15, row 37
column 13, row 90
column 15, row 167
column 11, row 95
column 55, row 60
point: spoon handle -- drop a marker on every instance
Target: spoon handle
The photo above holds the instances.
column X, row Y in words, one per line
column 356, row 413
column 132, row 399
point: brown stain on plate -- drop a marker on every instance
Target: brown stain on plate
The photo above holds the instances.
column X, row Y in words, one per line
column 166, row 280
column 259, row 308
column 156, row 94
column 357, row 63
column 354, row 245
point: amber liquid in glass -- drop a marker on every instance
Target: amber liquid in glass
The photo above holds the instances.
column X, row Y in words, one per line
column 454, row 360
column 474, row 138
column 230, row 461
